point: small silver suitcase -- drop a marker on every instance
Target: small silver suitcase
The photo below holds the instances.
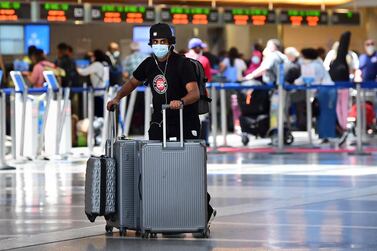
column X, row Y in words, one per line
column 100, row 185
column 173, row 185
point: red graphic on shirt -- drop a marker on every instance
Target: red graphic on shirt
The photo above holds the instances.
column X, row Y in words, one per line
column 160, row 84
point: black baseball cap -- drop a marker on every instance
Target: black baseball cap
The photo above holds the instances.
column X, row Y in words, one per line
column 161, row 30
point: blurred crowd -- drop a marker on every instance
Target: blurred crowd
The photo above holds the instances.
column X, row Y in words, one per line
column 331, row 107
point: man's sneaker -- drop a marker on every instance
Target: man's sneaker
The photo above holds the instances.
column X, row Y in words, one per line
column 212, row 217
column 207, row 232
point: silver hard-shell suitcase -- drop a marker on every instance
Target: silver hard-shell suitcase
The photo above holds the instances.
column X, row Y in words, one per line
column 127, row 216
column 100, row 186
column 174, row 185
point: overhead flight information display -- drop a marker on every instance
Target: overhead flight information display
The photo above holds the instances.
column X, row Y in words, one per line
column 14, row 11
column 348, row 18
column 303, row 17
column 181, row 15
column 56, row 12
column 249, row 16
column 123, row 14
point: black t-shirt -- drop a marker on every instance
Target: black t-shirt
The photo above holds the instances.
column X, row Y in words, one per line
column 178, row 73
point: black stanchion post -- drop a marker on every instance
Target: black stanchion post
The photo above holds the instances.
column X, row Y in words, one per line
column 223, row 114
column 90, row 138
column 214, row 118
column 359, row 128
column 280, row 80
column 85, row 101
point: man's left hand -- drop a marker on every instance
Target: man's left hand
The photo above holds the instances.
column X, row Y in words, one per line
column 175, row 104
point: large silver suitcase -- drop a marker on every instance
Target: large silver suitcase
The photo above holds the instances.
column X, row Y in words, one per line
column 174, row 185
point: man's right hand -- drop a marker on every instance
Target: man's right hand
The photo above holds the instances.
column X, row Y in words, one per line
column 111, row 103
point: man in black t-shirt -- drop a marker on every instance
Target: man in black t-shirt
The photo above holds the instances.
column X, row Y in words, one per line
column 173, row 81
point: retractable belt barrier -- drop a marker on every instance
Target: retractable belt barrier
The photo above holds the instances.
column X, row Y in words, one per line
column 214, row 88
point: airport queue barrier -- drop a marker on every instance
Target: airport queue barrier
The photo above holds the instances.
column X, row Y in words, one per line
column 125, row 115
column 31, row 140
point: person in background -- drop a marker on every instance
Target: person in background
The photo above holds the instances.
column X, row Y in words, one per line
column 256, row 58
column 2, row 68
column 213, row 59
column 195, row 47
column 312, row 67
column 114, row 61
column 70, row 52
column 27, row 59
column 131, row 62
column 38, row 59
column 272, row 58
column 222, row 55
column 368, row 62
column 96, row 71
column 297, row 98
column 65, row 62
column 292, row 66
column 113, row 53
column 321, row 53
column 340, row 71
column 351, row 58
column 233, row 66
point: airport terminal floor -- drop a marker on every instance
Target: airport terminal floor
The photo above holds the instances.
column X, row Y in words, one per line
column 305, row 201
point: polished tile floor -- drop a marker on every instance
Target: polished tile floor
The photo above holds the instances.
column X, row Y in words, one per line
column 264, row 202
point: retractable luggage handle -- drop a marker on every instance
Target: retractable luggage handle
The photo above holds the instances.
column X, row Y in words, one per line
column 112, row 130
column 164, row 108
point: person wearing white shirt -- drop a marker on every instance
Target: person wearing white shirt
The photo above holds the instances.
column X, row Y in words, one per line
column 232, row 66
column 96, row 72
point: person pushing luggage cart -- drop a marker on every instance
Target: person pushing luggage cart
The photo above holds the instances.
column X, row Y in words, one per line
column 173, row 82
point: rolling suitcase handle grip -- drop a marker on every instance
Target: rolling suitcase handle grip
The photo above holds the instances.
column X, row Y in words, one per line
column 164, row 108
column 112, row 129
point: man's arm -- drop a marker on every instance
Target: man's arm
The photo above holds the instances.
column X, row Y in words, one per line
column 192, row 96
column 126, row 89
column 256, row 73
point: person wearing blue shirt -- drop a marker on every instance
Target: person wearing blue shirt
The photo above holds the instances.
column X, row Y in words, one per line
column 368, row 62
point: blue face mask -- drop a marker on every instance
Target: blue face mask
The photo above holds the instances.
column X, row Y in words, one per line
column 160, row 50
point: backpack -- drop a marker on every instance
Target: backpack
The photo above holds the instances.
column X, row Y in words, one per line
column 203, row 103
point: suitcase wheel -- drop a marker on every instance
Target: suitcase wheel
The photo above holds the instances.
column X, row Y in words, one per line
column 109, row 229
column 206, row 233
column 245, row 140
column 289, row 140
column 122, row 232
column 91, row 218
